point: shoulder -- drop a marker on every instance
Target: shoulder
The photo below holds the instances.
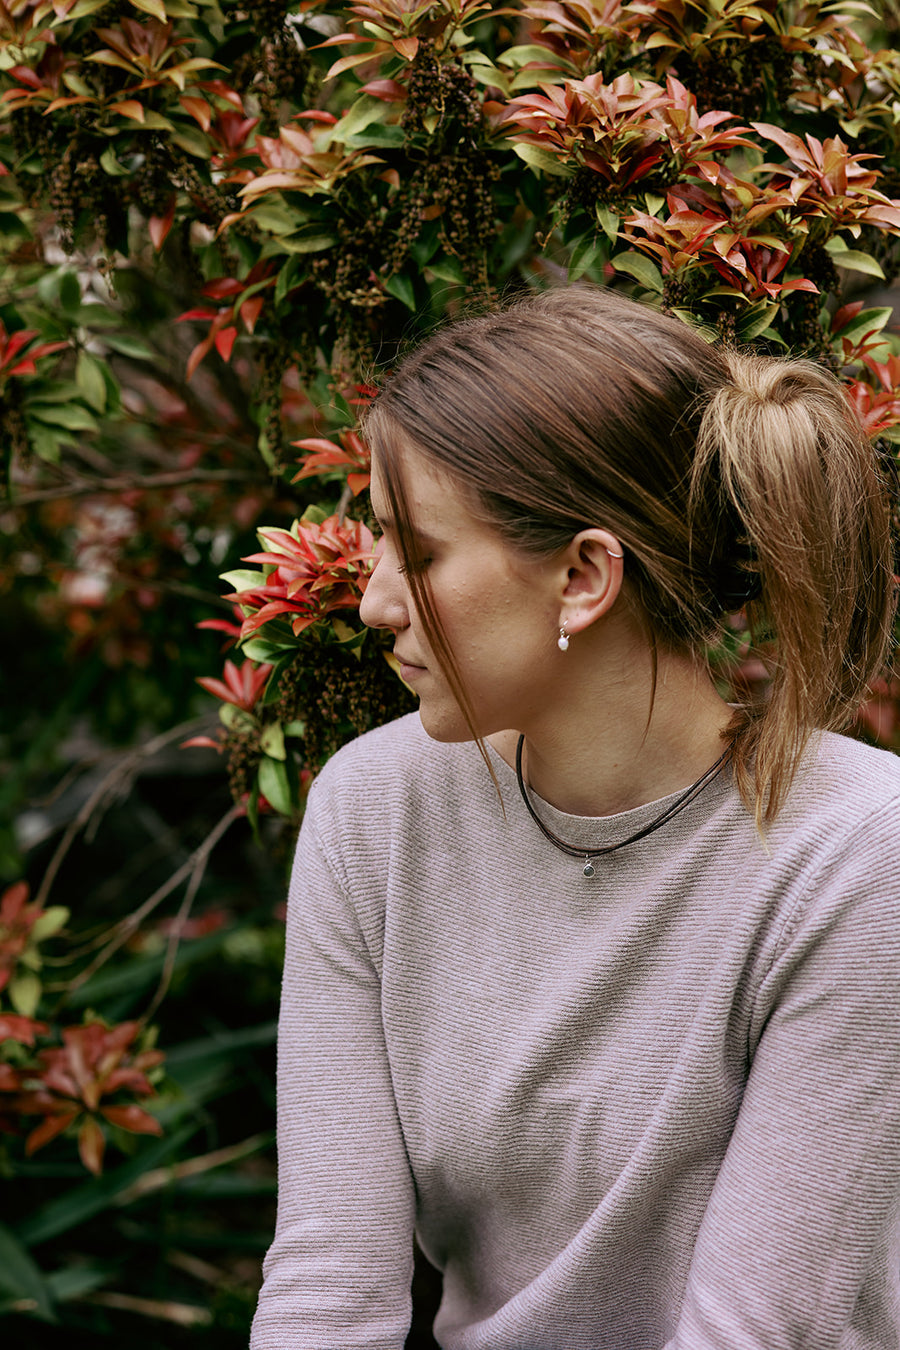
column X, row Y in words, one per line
column 837, row 842
column 843, row 786
column 392, row 758
column 393, row 780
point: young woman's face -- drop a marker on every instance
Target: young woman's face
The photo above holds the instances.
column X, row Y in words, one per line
column 498, row 608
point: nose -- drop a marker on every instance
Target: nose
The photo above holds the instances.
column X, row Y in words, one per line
column 384, row 602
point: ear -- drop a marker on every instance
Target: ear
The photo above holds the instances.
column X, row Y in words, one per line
column 595, row 570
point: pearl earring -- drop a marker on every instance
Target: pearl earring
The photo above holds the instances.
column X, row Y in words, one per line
column 562, row 641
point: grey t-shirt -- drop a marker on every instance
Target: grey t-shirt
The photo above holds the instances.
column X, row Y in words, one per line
column 657, row 1109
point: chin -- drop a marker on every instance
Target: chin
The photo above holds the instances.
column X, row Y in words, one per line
column 448, row 728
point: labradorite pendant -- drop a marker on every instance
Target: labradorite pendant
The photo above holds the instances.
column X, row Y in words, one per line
column 588, row 868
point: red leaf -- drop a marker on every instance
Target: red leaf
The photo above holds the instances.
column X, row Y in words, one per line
column 224, row 341
column 159, row 226
column 132, row 1118
column 14, row 1027
column 201, row 743
column 48, row 1129
column 389, row 91
column 223, row 287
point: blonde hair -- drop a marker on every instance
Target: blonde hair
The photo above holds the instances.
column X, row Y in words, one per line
column 716, row 470
column 792, row 457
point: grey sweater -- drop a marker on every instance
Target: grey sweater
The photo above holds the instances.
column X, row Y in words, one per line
column 654, row 1110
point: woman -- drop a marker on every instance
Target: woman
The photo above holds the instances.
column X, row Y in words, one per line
column 592, row 979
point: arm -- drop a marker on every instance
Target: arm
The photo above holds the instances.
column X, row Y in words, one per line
column 338, row 1274
column 799, row 1242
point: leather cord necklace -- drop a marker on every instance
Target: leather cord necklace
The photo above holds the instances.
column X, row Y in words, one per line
column 589, row 855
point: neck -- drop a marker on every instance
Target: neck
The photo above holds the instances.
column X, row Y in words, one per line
column 600, row 750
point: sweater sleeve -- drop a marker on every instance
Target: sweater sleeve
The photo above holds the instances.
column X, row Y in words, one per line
column 338, row 1273
column 801, row 1227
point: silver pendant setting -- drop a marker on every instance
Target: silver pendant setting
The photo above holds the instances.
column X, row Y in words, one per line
column 589, row 869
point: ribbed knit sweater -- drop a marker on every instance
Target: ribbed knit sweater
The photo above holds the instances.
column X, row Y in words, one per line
column 654, row 1110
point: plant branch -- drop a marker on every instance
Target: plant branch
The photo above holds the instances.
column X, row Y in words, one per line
column 130, row 482
column 193, row 868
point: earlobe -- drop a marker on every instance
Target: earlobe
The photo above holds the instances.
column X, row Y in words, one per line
column 594, row 579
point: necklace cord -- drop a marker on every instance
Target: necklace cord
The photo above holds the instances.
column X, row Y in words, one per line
column 673, row 809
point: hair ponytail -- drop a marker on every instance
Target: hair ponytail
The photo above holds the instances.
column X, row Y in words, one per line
column 795, row 467
column 577, row 407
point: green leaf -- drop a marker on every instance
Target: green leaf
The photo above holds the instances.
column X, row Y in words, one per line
column 301, row 242
column 295, row 728
column 90, row 380
column 276, row 216
column 12, row 226
column 128, row 346
column 69, row 291
column 542, row 161
column 756, row 319
column 275, row 785
column 401, row 288
column 585, row 254
column 21, row 1278
column 74, row 1281
column 243, row 579
column 80, row 1203
column 642, row 268
column 73, row 417
column 231, row 717
column 44, row 443
column 289, row 275
column 271, row 742
column 853, row 260
column 609, row 223
column 259, row 649
column 377, row 137
column 447, row 269
column 522, row 55
column 50, row 922
column 25, row 993
column 111, row 165
column 360, row 115
column 192, row 142
column 653, row 203
column 153, row 121
column 155, row 8
column 867, row 321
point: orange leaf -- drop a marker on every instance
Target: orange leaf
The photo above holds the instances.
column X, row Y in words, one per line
column 251, row 310
column 48, row 1129
column 129, row 107
column 199, row 109
column 197, row 356
column 91, row 1145
column 407, row 46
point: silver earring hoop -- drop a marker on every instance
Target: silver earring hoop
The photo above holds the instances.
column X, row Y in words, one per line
column 562, row 641
column 610, row 554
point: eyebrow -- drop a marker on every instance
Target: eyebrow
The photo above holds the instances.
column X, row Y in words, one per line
column 386, row 522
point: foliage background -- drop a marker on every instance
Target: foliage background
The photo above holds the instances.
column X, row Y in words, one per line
column 217, row 221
